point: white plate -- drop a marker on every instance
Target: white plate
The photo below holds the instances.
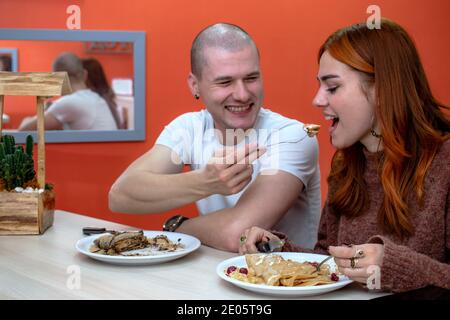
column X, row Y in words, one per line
column 190, row 244
column 283, row 291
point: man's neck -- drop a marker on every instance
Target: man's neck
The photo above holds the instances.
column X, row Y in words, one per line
column 77, row 86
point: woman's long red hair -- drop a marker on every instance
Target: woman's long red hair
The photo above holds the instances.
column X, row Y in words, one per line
column 97, row 82
column 412, row 123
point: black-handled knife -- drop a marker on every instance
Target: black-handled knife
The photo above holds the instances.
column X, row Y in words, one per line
column 93, row 230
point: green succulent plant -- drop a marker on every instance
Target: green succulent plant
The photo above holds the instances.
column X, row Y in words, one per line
column 16, row 164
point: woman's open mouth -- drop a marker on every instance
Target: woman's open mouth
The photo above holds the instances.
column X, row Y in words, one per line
column 334, row 123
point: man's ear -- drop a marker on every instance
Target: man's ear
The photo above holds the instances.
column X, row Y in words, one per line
column 193, row 84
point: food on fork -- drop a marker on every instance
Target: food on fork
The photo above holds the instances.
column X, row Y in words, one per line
column 311, row 129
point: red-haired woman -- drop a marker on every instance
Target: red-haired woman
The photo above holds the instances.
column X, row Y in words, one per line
column 389, row 201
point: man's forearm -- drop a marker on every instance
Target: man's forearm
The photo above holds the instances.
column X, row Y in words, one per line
column 219, row 230
column 260, row 205
column 146, row 192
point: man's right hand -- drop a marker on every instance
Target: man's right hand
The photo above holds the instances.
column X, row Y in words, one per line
column 230, row 169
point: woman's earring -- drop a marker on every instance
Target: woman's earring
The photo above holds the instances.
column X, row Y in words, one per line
column 372, row 131
column 376, row 135
column 196, row 96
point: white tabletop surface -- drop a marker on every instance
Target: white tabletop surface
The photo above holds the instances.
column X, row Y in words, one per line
column 43, row 267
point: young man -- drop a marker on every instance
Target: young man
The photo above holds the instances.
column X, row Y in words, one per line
column 271, row 180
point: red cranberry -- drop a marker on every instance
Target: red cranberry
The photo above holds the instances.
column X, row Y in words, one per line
column 243, row 270
column 334, row 277
column 231, row 269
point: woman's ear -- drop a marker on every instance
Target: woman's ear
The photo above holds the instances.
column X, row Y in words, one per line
column 373, row 95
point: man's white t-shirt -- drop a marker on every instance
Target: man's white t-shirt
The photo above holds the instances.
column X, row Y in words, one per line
column 193, row 138
column 83, row 110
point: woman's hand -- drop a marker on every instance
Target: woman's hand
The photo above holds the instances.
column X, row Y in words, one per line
column 251, row 236
column 355, row 260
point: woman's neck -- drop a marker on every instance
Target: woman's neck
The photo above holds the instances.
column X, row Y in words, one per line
column 372, row 143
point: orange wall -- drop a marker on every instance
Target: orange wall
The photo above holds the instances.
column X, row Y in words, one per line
column 288, row 33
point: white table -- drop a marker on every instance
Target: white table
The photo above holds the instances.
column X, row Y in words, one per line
column 41, row 267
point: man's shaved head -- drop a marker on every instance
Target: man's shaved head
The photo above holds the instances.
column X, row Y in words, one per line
column 221, row 35
column 70, row 63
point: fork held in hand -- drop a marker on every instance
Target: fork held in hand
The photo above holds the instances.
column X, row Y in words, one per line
column 284, row 142
column 310, row 129
column 273, row 245
column 323, row 261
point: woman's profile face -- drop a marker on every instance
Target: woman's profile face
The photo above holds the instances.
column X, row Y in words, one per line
column 345, row 103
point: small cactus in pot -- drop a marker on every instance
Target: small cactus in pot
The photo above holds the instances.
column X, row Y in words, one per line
column 16, row 164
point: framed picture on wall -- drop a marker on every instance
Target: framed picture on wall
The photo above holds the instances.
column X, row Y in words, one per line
column 8, row 59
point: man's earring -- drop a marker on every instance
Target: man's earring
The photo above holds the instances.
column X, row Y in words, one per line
column 196, row 96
